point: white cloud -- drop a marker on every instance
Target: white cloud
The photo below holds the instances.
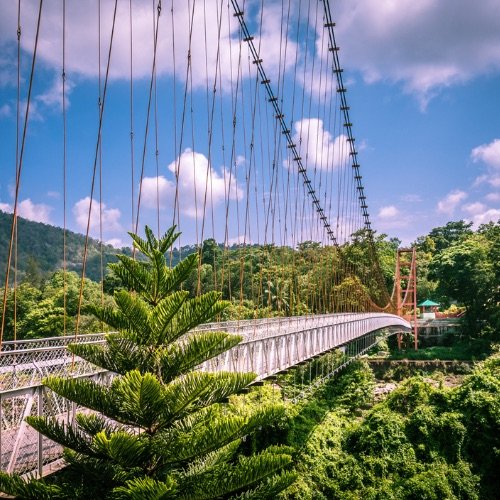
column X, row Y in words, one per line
column 317, row 147
column 37, row 212
column 490, row 215
column 488, row 154
column 53, row 95
column 115, row 242
column 388, row 212
column 160, row 188
column 448, row 204
column 271, row 40
column 426, row 45
column 110, row 216
column 474, row 208
column 195, row 177
column 35, row 113
column 494, row 197
column 214, row 48
column 480, row 180
column 8, row 60
column 5, row 111
column 240, row 160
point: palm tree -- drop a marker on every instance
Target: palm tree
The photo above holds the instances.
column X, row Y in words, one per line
column 162, row 428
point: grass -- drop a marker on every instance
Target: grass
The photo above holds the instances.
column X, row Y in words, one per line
column 462, row 351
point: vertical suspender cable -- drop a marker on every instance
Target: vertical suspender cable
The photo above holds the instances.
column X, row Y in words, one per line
column 146, row 130
column 18, row 174
column 100, row 165
column 17, row 150
column 63, row 75
column 131, row 55
column 94, row 169
column 155, row 21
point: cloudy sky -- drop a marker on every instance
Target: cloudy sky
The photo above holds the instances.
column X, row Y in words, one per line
column 423, row 85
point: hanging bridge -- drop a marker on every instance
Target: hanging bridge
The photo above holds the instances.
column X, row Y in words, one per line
column 238, row 128
column 269, row 347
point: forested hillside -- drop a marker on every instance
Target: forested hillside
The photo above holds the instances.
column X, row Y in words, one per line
column 40, row 249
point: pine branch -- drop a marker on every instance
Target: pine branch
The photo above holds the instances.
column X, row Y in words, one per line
column 92, row 423
column 111, row 357
column 214, row 459
column 191, row 351
column 85, row 392
column 168, row 240
column 145, row 488
column 139, row 399
column 135, row 275
column 137, row 312
column 176, row 446
column 230, row 478
column 109, row 315
column 32, row 489
column 63, row 434
column 142, row 245
column 162, row 315
column 125, row 449
column 269, row 488
column 195, row 312
column 198, row 389
column 180, row 273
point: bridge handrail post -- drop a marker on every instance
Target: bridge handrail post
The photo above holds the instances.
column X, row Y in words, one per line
column 40, row 435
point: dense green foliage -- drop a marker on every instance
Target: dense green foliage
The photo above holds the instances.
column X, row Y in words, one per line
column 258, row 281
column 40, row 250
column 460, row 265
column 160, row 427
column 422, row 442
column 51, row 308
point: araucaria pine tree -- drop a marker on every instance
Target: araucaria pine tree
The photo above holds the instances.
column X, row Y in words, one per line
column 162, row 428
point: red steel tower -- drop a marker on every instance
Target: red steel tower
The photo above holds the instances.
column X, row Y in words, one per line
column 406, row 288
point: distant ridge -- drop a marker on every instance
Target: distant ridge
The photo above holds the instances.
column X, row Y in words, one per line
column 41, row 245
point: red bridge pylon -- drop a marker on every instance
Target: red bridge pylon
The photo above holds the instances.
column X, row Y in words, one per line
column 406, row 289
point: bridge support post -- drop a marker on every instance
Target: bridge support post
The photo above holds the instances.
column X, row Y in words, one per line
column 40, row 435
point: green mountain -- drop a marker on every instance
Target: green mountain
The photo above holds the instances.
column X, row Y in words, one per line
column 40, row 249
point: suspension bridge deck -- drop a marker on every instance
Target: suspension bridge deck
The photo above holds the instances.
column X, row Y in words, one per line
column 269, row 346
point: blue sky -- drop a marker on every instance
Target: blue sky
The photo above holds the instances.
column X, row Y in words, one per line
column 423, row 82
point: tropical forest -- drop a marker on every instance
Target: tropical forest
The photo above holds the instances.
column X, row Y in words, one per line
column 389, row 423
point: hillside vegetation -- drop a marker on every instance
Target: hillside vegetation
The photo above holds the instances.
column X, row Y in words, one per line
column 40, row 249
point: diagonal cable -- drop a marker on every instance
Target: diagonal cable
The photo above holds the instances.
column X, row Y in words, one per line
column 266, row 82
